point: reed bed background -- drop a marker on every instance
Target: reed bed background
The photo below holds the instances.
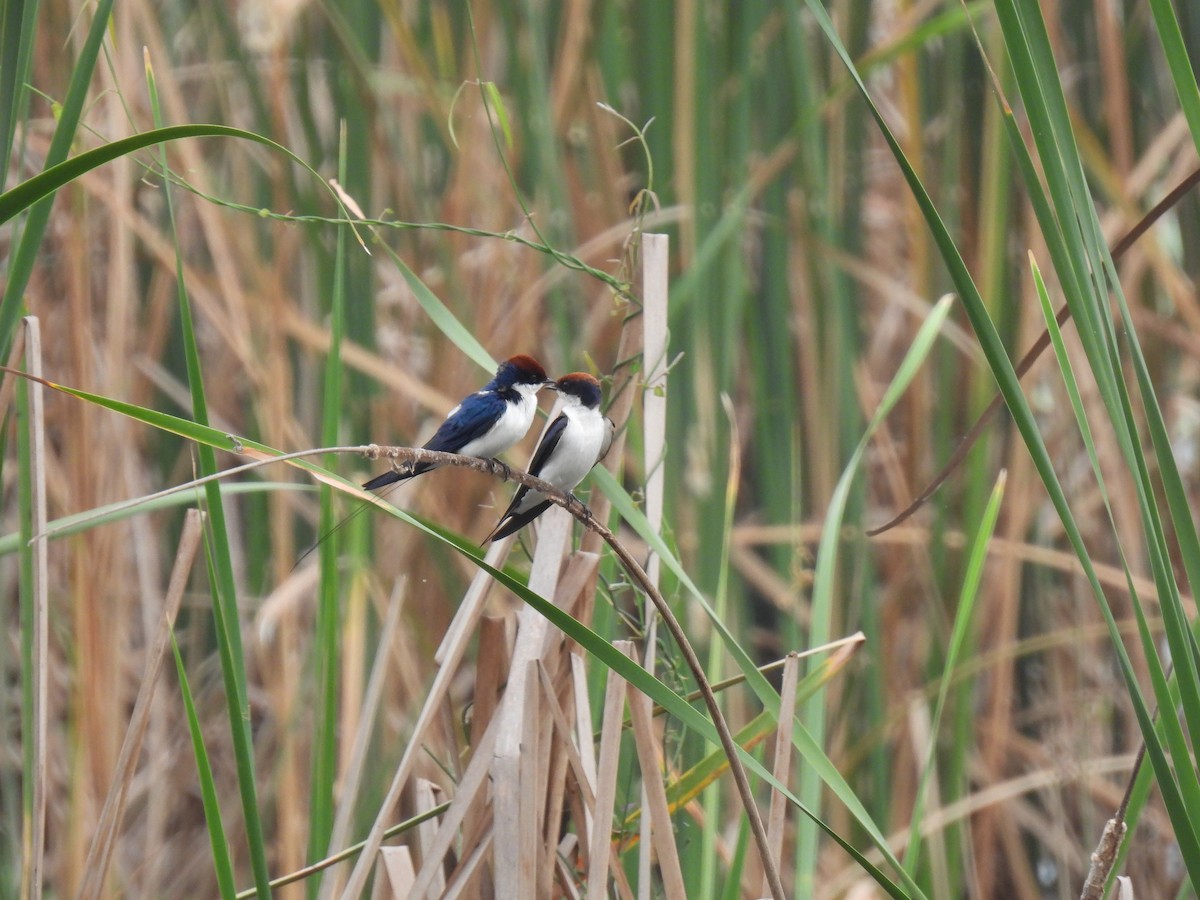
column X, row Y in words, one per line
column 986, row 725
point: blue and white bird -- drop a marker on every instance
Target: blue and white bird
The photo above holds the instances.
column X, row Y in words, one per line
column 485, row 423
column 575, row 441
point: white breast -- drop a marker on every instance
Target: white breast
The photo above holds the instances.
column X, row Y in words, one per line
column 578, row 449
column 511, row 428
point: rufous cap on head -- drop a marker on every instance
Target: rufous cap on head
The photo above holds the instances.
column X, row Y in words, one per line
column 581, row 385
column 522, row 368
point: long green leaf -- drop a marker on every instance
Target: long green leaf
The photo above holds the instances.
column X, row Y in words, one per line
column 976, row 560
column 326, row 639
column 226, row 616
column 76, row 523
column 813, row 753
column 20, row 266
column 42, row 185
column 1182, row 74
column 18, row 21
column 208, row 785
column 1026, row 34
column 1037, row 73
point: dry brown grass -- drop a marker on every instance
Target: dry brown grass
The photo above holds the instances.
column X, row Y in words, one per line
column 1046, row 750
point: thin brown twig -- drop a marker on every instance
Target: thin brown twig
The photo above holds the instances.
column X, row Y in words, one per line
column 1027, row 361
column 401, row 456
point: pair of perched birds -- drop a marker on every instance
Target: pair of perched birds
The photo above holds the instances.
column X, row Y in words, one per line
column 493, row 419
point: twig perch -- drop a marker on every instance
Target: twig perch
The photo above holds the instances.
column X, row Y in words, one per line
column 407, row 456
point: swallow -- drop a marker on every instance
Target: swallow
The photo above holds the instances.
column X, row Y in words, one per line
column 575, row 441
column 485, row 423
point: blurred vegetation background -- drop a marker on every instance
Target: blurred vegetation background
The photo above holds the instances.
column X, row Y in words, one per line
column 801, row 269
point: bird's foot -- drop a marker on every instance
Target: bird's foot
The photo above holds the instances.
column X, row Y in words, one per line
column 579, row 509
column 501, row 469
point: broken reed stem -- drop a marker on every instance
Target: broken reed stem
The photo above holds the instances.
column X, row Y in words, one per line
column 402, row 457
column 1104, row 857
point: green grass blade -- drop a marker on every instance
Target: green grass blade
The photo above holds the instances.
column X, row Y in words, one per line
column 1026, row 34
column 976, row 561
column 1090, row 319
column 20, row 266
column 18, row 21
column 77, row 523
column 441, row 316
column 1182, row 74
column 326, row 639
column 226, row 616
column 812, row 713
column 1068, row 374
column 41, row 186
column 713, row 665
column 208, row 786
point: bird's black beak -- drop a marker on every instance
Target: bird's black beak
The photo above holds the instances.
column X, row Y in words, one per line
column 550, row 384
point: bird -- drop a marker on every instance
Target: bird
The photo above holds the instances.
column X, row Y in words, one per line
column 485, row 423
column 575, row 441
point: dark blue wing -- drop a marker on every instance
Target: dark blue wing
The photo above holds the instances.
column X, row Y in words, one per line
column 472, row 419
column 513, row 521
column 546, row 445
column 474, row 416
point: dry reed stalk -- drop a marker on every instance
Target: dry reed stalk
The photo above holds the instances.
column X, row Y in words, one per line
column 612, row 725
column 654, row 797
column 36, row 859
column 465, row 881
column 924, row 744
column 491, row 665
column 566, row 875
column 557, row 747
column 424, row 800
column 565, row 734
column 351, row 780
column 449, row 654
column 109, row 825
column 515, row 770
column 516, row 797
column 777, row 813
column 655, row 258
column 655, row 294
column 587, row 749
column 393, row 874
column 473, row 780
